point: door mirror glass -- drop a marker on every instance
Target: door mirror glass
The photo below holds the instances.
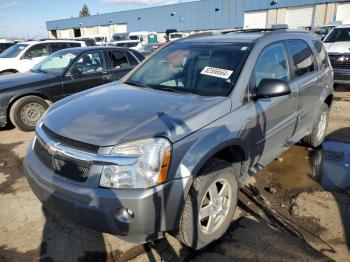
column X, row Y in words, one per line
column 272, row 88
column 27, row 55
column 76, row 71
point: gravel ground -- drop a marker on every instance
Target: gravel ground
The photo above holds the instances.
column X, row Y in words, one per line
column 278, row 219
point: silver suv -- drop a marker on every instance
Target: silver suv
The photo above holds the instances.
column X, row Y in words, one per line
column 167, row 149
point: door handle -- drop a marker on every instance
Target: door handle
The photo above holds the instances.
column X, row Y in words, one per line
column 106, row 77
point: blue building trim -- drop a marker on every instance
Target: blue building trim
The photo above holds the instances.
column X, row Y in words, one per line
column 196, row 15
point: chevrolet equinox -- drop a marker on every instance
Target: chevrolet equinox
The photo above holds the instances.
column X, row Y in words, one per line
column 167, row 148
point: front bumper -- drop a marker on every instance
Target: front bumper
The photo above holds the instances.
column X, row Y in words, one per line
column 341, row 76
column 155, row 210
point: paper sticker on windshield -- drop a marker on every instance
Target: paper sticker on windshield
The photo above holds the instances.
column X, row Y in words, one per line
column 217, row 72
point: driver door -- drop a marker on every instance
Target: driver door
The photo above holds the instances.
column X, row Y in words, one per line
column 89, row 71
column 274, row 121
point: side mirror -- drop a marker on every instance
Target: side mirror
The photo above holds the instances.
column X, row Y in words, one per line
column 272, row 88
column 27, row 55
column 75, row 72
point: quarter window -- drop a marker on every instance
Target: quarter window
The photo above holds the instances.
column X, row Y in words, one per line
column 303, row 59
column 272, row 64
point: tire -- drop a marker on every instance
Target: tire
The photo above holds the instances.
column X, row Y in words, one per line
column 318, row 133
column 195, row 233
column 26, row 111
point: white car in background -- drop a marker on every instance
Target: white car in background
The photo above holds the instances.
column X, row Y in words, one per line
column 337, row 44
column 21, row 57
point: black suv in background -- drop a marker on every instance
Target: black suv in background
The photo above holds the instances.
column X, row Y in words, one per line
column 25, row 97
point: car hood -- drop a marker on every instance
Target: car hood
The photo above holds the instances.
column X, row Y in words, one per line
column 8, row 63
column 115, row 113
column 338, row 47
column 17, row 80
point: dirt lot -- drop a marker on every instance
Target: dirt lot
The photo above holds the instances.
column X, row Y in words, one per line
column 297, row 208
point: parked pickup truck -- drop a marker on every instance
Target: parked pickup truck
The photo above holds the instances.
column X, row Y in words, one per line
column 167, row 149
column 25, row 97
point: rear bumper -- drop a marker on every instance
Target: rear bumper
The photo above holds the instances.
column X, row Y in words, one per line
column 154, row 210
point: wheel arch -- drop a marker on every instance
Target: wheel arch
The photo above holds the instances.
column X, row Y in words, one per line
column 9, row 70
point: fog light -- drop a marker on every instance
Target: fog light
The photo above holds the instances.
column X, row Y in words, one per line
column 125, row 215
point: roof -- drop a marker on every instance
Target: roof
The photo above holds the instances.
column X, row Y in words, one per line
column 31, row 42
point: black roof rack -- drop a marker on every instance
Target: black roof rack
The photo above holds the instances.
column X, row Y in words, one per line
column 256, row 30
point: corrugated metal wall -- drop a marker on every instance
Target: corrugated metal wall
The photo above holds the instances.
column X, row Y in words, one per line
column 187, row 16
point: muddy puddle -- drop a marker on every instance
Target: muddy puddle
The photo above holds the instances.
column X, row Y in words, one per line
column 304, row 169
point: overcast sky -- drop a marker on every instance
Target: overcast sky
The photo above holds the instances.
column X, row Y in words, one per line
column 26, row 18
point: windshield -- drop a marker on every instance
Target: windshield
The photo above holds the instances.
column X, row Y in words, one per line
column 13, row 51
column 203, row 69
column 56, row 63
column 338, row 35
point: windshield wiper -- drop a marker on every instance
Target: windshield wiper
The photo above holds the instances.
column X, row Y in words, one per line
column 134, row 83
column 166, row 88
column 38, row 70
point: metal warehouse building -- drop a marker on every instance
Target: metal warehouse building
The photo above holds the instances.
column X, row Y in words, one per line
column 206, row 14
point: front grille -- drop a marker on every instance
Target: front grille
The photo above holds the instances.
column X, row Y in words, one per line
column 70, row 142
column 340, row 61
column 341, row 77
column 64, row 166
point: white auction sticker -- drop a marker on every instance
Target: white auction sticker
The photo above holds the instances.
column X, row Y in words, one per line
column 216, row 72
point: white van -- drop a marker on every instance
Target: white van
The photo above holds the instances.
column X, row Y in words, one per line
column 23, row 56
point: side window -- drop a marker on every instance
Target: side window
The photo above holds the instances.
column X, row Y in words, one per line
column 38, row 50
column 74, row 45
column 58, row 46
column 119, row 60
column 90, row 63
column 303, row 59
column 272, row 64
column 321, row 52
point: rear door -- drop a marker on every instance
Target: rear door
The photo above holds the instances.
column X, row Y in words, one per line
column 122, row 62
column 89, row 71
column 306, row 78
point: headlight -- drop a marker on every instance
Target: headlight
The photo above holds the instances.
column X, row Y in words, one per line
column 149, row 170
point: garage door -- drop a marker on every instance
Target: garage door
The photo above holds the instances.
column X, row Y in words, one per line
column 299, row 17
column 104, row 30
column 343, row 12
column 255, row 19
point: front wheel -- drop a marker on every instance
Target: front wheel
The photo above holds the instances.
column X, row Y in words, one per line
column 319, row 130
column 210, row 206
column 26, row 112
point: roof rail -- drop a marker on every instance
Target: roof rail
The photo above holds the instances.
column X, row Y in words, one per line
column 256, row 30
column 209, row 33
